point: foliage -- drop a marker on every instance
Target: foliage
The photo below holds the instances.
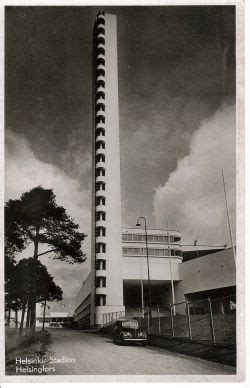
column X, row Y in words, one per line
column 36, row 217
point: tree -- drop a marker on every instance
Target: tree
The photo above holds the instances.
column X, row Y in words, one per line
column 29, row 272
column 36, row 218
column 13, row 243
column 53, row 292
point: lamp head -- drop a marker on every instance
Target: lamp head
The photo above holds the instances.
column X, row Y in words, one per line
column 138, row 224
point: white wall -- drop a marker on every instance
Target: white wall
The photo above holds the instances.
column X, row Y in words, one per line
column 159, row 268
column 208, row 272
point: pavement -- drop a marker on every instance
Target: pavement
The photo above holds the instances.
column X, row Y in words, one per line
column 76, row 352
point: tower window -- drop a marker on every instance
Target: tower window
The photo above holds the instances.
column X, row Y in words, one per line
column 100, row 39
column 100, row 201
column 100, row 300
column 100, row 281
column 100, row 171
column 101, row 30
column 100, row 131
column 100, row 94
column 101, row 50
column 100, row 231
column 100, row 186
column 100, row 264
column 101, row 61
column 100, row 216
column 100, row 158
column 100, row 248
column 100, row 144
column 100, row 71
column 100, row 119
column 100, row 82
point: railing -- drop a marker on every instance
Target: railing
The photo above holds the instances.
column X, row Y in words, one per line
column 207, row 320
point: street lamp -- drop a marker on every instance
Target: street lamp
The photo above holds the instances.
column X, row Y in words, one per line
column 149, row 287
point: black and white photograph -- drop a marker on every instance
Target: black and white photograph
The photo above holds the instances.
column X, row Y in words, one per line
column 121, row 192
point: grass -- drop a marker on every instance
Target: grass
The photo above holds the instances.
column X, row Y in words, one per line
column 24, row 346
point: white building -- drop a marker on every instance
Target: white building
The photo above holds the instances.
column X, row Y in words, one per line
column 119, row 268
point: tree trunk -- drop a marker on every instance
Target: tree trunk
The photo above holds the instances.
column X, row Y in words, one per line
column 8, row 319
column 16, row 319
column 28, row 316
column 44, row 308
column 33, row 295
column 22, row 317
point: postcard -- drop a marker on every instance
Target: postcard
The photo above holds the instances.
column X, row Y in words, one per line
column 123, row 192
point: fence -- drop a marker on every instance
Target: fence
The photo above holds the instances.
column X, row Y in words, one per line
column 206, row 320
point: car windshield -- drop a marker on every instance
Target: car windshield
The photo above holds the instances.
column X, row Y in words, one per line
column 130, row 325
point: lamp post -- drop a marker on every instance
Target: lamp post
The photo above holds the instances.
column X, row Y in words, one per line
column 149, row 287
column 142, row 296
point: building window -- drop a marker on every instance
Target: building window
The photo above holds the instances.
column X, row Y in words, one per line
column 100, row 119
column 100, row 201
column 100, row 265
column 100, row 71
column 142, row 252
column 100, row 231
column 100, row 300
column 100, row 144
column 100, row 39
column 100, row 171
column 100, row 248
column 100, row 216
column 100, row 281
column 100, row 186
column 100, row 158
column 100, row 131
column 100, row 94
column 151, row 238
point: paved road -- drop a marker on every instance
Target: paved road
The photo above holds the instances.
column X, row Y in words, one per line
column 97, row 355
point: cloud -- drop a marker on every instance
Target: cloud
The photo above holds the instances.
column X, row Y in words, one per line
column 24, row 171
column 192, row 198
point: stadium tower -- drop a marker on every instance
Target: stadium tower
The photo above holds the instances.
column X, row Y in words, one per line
column 107, row 284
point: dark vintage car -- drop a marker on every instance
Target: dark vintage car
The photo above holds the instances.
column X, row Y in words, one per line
column 128, row 331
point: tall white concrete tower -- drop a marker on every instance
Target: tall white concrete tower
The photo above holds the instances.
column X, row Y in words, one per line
column 107, row 284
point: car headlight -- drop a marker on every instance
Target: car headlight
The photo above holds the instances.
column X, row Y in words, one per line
column 142, row 334
column 126, row 334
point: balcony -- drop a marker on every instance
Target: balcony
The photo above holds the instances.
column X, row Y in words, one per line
column 100, row 79
column 101, row 25
column 100, row 239
column 100, row 89
column 100, row 256
column 101, row 36
column 101, row 291
column 101, row 113
column 100, row 193
column 100, row 101
column 99, row 178
column 101, row 223
column 100, row 138
column 100, row 165
column 100, row 46
column 100, row 151
column 100, row 67
column 100, row 208
column 101, row 16
column 100, row 57
column 100, row 125
column 101, row 273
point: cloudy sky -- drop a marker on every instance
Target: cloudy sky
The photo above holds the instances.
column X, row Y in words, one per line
column 177, row 116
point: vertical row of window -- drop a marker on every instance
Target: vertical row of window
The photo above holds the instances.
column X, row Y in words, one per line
column 100, row 146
